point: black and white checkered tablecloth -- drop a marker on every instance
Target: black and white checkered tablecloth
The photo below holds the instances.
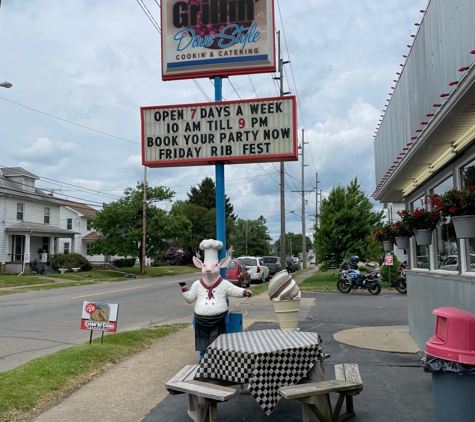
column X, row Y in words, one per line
column 266, row 359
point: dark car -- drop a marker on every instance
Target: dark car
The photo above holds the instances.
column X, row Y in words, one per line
column 273, row 263
column 290, row 264
column 237, row 274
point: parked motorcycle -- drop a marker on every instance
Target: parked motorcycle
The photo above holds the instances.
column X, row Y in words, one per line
column 350, row 278
column 401, row 285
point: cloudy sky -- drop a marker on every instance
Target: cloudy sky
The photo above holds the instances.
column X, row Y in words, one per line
column 81, row 70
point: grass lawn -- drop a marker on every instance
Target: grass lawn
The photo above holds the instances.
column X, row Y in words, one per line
column 55, row 281
column 40, row 382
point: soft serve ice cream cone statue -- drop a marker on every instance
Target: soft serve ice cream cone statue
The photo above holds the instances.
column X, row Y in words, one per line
column 285, row 295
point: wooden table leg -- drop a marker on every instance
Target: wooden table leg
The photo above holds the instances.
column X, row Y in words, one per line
column 322, row 401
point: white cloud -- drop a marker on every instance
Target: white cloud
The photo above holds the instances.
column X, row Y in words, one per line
column 95, row 64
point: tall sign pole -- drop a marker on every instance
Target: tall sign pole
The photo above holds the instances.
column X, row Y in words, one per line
column 220, row 187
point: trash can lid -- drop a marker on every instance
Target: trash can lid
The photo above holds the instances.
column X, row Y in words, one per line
column 454, row 337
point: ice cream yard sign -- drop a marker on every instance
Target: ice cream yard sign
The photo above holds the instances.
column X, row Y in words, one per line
column 206, row 38
column 99, row 316
column 244, row 131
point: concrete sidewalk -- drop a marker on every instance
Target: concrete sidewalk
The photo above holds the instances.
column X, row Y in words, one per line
column 134, row 390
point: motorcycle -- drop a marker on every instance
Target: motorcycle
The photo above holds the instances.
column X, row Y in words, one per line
column 350, row 278
column 401, row 285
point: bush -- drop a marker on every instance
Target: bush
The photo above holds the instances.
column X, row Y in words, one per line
column 174, row 256
column 69, row 261
column 124, row 262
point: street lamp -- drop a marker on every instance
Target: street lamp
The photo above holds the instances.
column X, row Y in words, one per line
column 6, row 84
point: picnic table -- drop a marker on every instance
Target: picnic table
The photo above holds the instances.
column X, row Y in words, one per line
column 274, row 364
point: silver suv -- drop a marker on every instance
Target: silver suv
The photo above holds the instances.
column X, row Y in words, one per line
column 256, row 267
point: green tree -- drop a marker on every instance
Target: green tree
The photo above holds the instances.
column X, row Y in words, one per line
column 251, row 238
column 347, row 219
column 294, row 243
column 120, row 224
column 204, row 195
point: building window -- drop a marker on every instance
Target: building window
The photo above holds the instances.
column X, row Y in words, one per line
column 66, row 247
column 445, row 242
column 87, row 249
column 20, row 209
column 69, row 223
column 89, row 224
column 46, row 216
column 468, row 179
column 28, row 185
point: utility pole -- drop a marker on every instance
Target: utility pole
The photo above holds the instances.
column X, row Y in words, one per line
column 246, row 238
column 302, row 192
column 144, row 220
column 316, row 212
column 282, row 166
column 304, row 231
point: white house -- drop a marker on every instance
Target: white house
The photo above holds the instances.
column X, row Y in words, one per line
column 77, row 216
column 30, row 227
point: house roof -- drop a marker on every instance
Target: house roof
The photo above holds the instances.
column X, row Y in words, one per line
column 10, row 187
column 92, row 236
column 83, row 209
column 17, row 171
column 36, row 228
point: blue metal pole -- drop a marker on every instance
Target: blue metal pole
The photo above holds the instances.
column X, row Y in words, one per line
column 220, row 187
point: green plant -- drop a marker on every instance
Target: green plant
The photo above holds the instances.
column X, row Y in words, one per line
column 384, row 233
column 402, row 227
column 455, row 202
column 421, row 219
column 69, row 261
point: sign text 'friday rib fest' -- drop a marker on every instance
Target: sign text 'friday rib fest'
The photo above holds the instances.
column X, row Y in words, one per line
column 244, row 131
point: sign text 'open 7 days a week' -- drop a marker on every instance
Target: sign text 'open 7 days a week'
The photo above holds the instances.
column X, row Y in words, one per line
column 244, row 131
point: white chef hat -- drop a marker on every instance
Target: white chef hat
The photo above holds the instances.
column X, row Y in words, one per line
column 211, row 248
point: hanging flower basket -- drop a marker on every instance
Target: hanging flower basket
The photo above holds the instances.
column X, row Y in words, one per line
column 464, row 226
column 402, row 242
column 388, row 245
column 423, row 237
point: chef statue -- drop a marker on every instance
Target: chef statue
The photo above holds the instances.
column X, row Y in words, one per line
column 210, row 294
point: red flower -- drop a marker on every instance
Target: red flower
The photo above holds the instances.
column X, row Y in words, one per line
column 452, row 210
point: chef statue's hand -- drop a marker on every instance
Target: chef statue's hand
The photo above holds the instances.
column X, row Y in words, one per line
column 247, row 293
column 184, row 287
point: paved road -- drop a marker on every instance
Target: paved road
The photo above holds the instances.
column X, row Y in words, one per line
column 40, row 323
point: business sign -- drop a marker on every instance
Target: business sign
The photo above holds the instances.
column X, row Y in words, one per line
column 206, row 38
column 244, row 131
column 99, row 316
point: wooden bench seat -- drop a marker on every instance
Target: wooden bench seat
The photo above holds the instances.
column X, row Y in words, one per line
column 203, row 397
column 347, row 384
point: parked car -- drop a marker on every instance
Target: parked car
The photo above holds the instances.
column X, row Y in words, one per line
column 451, row 263
column 256, row 268
column 273, row 263
column 313, row 261
column 237, row 274
column 296, row 264
column 290, row 265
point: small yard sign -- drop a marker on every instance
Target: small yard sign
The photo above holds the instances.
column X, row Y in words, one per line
column 99, row 316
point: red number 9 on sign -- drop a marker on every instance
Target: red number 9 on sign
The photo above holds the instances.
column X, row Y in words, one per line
column 242, row 123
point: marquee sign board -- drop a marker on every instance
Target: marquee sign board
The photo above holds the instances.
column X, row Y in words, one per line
column 244, row 131
column 206, row 38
